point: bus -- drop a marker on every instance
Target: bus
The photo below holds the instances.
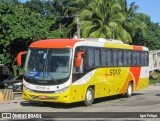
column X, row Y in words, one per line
column 74, row 70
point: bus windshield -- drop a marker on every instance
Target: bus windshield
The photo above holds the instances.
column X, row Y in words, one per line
column 47, row 66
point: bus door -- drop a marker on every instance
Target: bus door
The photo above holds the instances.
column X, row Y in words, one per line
column 77, row 89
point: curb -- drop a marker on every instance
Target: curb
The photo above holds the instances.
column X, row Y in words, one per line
column 6, row 94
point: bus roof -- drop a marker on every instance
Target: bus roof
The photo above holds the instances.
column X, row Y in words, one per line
column 98, row 42
column 55, row 43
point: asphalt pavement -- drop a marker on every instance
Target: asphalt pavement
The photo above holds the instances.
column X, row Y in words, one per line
column 143, row 105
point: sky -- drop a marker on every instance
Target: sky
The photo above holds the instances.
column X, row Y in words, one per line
column 149, row 7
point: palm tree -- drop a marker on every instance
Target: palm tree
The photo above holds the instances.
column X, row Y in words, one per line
column 107, row 19
column 132, row 22
column 73, row 12
column 102, row 19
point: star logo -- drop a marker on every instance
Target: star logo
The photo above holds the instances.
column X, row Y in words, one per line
column 106, row 74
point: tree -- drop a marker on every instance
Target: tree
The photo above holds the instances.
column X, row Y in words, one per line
column 109, row 19
column 103, row 19
column 152, row 38
column 18, row 28
column 132, row 23
column 72, row 12
column 36, row 6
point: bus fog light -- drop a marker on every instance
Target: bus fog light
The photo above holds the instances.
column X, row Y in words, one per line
column 61, row 90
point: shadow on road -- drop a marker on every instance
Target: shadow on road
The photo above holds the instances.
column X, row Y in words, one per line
column 51, row 104
column 74, row 105
column 158, row 95
column 115, row 97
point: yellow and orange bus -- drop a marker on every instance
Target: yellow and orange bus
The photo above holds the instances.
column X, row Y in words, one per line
column 73, row 70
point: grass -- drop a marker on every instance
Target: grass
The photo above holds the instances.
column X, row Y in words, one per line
column 154, row 78
column 153, row 81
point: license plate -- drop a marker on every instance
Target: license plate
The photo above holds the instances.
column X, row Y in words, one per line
column 10, row 87
column 43, row 97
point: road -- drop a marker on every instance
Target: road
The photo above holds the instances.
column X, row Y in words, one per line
column 147, row 100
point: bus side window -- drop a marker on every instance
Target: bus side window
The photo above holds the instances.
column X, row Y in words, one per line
column 115, row 57
column 138, row 58
column 104, row 57
column 142, row 59
column 97, row 57
column 134, row 58
column 146, row 58
column 129, row 55
column 109, row 57
column 120, row 62
column 125, row 57
column 91, row 57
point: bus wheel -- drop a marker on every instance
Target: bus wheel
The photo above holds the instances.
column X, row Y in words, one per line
column 89, row 97
column 129, row 90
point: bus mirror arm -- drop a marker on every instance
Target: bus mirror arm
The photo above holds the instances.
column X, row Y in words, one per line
column 79, row 59
column 19, row 57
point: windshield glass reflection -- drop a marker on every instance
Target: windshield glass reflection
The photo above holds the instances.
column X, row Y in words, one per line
column 47, row 65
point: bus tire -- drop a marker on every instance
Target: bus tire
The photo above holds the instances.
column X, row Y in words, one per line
column 129, row 90
column 89, row 97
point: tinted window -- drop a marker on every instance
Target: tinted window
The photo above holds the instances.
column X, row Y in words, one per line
column 138, row 58
column 120, row 62
column 115, row 57
column 109, row 57
column 129, row 58
column 125, row 58
column 97, row 57
column 146, row 58
column 134, row 58
column 91, row 57
column 104, row 57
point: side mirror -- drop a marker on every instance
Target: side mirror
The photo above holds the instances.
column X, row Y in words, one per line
column 21, row 57
column 79, row 62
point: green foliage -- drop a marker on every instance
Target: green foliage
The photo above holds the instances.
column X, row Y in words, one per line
column 23, row 23
column 19, row 26
column 152, row 81
column 152, row 37
column 109, row 19
column 155, row 78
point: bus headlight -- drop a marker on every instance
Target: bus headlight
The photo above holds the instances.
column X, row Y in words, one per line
column 27, row 89
column 61, row 90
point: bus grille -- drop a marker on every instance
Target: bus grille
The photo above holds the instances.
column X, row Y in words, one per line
column 48, row 98
column 44, row 92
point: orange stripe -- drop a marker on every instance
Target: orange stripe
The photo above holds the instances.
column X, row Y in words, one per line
column 136, row 73
column 124, row 88
column 136, row 70
column 137, row 48
column 55, row 43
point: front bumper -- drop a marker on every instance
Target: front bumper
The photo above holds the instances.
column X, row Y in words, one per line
column 47, row 97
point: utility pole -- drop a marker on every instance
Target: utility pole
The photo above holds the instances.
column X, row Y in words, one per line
column 113, row 37
column 78, row 28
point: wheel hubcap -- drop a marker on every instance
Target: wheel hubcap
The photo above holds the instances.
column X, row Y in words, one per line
column 89, row 95
column 129, row 89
